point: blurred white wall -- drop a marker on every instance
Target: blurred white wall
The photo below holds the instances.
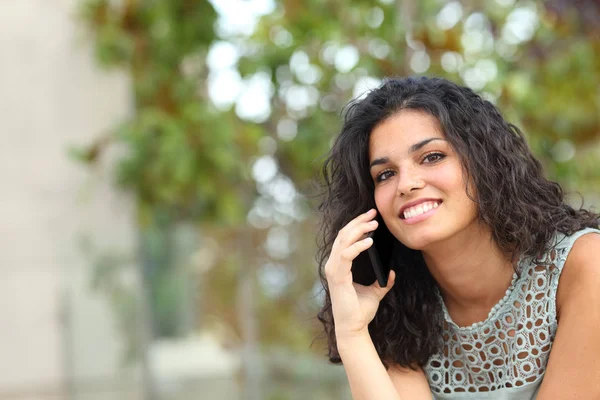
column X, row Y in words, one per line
column 52, row 96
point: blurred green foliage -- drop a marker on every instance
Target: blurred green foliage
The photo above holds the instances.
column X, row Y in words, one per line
column 191, row 159
column 177, row 144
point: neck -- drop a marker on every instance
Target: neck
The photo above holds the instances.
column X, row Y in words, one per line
column 472, row 273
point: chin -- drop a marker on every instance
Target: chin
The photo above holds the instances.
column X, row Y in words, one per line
column 420, row 240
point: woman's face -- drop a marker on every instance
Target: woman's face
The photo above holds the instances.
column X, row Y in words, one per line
column 420, row 190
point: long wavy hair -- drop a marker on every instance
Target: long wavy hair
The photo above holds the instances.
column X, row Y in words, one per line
column 523, row 209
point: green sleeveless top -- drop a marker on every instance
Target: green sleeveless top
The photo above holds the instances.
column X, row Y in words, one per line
column 505, row 356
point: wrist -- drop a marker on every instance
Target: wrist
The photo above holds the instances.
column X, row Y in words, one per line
column 348, row 340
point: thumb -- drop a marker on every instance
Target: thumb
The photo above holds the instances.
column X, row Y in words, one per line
column 382, row 291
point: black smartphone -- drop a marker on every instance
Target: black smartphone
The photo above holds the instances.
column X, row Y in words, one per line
column 375, row 262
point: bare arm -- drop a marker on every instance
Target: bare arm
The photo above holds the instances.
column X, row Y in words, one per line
column 369, row 379
column 366, row 374
column 411, row 384
column 353, row 307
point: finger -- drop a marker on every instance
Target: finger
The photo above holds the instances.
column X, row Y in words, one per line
column 346, row 245
column 356, row 233
column 341, row 265
column 351, row 252
column 365, row 217
column 374, row 290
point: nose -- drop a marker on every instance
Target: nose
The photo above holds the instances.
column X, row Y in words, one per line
column 409, row 182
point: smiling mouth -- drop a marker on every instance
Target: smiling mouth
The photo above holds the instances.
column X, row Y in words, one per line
column 420, row 209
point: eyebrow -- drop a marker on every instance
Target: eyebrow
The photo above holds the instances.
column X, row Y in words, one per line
column 415, row 147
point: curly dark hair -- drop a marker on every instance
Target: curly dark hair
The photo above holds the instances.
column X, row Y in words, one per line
column 523, row 209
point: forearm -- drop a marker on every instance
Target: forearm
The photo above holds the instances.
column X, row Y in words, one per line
column 367, row 376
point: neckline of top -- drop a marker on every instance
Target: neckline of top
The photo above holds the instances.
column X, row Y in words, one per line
column 559, row 241
column 494, row 310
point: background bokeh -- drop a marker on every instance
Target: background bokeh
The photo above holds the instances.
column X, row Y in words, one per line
column 159, row 161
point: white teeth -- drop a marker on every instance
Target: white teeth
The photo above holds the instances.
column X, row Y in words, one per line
column 420, row 209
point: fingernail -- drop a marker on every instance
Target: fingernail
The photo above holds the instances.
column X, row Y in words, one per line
column 368, row 240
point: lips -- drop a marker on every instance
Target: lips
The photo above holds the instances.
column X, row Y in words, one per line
column 418, row 207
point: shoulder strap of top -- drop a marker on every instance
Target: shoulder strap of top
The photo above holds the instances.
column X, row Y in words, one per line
column 564, row 244
column 557, row 257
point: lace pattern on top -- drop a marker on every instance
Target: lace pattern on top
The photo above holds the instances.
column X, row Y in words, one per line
column 511, row 347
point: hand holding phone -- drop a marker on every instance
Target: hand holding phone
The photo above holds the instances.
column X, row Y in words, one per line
column 354, row 305
column 374, row 263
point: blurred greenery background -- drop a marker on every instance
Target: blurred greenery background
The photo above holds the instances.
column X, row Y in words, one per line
column 235, row 103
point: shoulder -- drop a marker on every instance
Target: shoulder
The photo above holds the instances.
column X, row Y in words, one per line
column 580, row 277
column 573, row 367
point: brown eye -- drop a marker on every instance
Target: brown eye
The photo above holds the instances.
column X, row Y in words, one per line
column 384, row 175
column 433, row 157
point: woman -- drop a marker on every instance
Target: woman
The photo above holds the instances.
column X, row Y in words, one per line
column 473, row 308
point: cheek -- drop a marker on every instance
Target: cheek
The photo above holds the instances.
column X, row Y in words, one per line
column 456, row 186
column 449, row 179
column 384, row 198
